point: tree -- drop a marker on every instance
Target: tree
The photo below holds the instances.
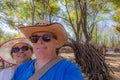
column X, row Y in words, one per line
column 86, row 55
column 118, row 28
column 116, row 39
column 14, row 12
column 81, row 17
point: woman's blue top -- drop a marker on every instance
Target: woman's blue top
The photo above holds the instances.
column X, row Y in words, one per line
column 63, row 70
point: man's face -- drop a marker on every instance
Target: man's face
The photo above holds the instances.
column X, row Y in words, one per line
column 45, row 45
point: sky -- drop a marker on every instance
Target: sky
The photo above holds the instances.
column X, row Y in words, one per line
column 7, row 29
column 109, row 24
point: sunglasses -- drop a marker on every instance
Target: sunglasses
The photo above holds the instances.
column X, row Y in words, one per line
column 45, row 38
column 17, row 49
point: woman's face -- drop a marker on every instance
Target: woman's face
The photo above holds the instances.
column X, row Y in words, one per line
column 21, row 52
column 45, row 48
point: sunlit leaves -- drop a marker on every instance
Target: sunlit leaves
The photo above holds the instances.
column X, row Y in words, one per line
column 53, row 9
column 21, row 11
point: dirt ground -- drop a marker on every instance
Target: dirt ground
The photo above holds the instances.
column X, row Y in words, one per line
column 112, row 59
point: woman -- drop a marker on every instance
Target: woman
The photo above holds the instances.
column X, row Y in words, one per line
column 46, row 38
column 15, row 51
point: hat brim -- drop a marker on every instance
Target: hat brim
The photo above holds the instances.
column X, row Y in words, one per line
column 55, row 28
column 5, row 48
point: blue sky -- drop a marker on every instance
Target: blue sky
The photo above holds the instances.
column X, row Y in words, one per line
column 7, row 29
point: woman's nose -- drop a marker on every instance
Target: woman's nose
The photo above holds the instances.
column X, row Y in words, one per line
column 21, row 51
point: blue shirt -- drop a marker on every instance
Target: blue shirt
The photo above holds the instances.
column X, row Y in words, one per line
column 63, row 70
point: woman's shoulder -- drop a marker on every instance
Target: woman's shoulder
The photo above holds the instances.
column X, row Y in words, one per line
column 6, row 71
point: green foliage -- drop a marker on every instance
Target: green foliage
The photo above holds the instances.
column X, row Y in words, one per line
column 116, row 2
column 21, row 11
column 116, row 9
column 53, row 8
column 116, row 16
column 3, row 36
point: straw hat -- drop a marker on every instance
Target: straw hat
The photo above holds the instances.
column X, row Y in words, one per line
column 43, row 25
column 5, row 48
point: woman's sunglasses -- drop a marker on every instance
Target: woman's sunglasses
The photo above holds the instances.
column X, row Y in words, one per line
column 17, row 49
column 45, row 38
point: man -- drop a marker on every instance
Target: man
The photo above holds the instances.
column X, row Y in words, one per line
column 46, row 38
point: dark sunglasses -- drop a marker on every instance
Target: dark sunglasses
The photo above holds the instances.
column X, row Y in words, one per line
column 17, row 49
column 45, row 38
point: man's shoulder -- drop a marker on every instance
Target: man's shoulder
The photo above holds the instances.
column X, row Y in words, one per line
column 67, row 63
column 26, row 64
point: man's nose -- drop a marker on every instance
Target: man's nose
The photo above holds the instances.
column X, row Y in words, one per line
column 40, row 41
